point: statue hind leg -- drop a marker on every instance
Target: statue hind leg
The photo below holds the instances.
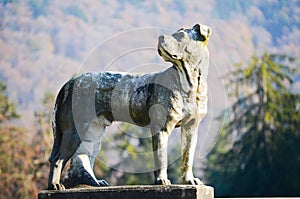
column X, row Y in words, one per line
column 66, row 148
column 82, row 162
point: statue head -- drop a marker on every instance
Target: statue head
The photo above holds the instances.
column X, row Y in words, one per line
column 186, row 47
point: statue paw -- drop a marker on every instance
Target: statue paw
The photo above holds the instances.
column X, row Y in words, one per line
column 193, row 181
column 103, row 183
column 162, row 181
column 57, row 186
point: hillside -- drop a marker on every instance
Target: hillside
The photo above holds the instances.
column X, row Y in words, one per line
column 43, row 43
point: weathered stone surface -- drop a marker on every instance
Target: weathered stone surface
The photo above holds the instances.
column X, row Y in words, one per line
column 162, row 101
column 131, row 192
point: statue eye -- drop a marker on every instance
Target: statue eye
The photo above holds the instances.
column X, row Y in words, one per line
column 174, row 56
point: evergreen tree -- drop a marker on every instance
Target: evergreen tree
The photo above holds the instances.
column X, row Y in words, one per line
column 7, row 109
column 258, row 153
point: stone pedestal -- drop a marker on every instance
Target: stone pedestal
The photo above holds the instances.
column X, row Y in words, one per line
column 136, row 191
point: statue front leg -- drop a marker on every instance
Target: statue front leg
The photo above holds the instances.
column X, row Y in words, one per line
column 160, row 152
column 189, row 136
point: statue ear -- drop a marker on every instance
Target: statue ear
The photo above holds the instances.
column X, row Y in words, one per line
column 196, row 27
column 203, row 33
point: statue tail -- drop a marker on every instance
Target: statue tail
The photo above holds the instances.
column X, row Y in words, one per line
column 57, row 133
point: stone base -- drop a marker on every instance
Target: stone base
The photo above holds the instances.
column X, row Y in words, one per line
column 136, row 191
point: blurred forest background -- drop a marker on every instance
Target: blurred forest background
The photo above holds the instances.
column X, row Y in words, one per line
column 254, row 46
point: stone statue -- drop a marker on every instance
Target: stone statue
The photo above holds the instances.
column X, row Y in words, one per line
column 175, row 97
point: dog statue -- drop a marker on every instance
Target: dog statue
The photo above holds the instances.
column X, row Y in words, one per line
column 175, row 97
